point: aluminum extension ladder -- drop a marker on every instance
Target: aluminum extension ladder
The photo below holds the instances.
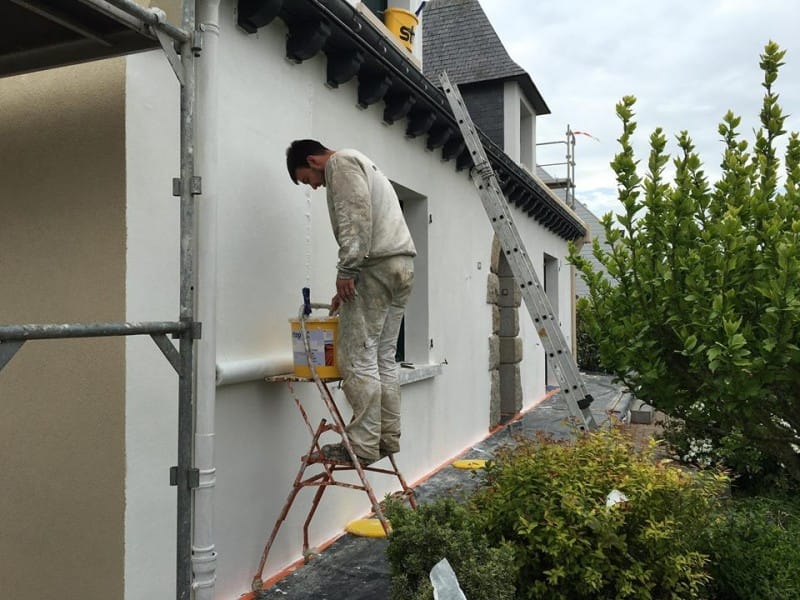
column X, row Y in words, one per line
column 326, row 477
column 559, row 357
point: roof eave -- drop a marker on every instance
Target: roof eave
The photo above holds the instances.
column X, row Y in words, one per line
column 356, row 49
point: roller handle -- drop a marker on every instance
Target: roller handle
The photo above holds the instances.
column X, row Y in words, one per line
column 306, row 301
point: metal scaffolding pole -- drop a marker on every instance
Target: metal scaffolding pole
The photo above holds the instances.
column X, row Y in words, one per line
column 137, row 17
column 568, row 183
column 187, row 477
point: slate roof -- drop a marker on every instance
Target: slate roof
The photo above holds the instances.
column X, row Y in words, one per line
column 595, row 230
column 458, row 37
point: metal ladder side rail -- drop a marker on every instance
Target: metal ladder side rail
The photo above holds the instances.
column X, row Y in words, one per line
column 573, row 389
column 536, row 301
column 539, row 307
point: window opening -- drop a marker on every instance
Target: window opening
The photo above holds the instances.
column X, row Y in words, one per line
column 413, row 340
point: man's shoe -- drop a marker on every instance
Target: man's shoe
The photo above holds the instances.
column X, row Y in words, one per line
column 384, row 452
column 339, row 454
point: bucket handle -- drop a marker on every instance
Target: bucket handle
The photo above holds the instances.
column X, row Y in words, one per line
column 308, row 306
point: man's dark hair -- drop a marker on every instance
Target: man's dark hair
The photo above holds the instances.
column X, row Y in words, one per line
column 298, row 152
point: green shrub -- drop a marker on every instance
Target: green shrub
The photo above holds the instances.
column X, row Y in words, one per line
column 445, row 529
column 587, row 348
column 753, row 470
column 754, row 551
column 697, row 309
column 548, row 499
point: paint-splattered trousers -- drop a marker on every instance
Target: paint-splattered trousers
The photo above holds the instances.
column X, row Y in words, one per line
column 366, row 346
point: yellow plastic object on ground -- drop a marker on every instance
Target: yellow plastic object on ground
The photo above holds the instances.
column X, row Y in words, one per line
column 470, row 463
column 366, row 528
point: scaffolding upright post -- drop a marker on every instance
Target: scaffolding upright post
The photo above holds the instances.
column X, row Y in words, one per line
column 187, row 477
column 570, row 193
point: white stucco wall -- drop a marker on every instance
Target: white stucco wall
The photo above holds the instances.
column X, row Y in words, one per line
column 152, row 288
column 539, row 241
column 519, row 126
column 511, row 119
column 274, row 238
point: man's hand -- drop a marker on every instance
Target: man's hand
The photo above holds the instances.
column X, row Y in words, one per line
column 345, row 289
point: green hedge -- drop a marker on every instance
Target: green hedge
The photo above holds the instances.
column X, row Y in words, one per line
column 588, row 350
column 548, row 499
column 754, row 550
column 539, row 527
column 445, row 529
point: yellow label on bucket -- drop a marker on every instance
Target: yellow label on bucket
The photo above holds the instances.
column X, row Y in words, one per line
column 322, row 343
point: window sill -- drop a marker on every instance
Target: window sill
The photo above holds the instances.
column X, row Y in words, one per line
column 413, row 372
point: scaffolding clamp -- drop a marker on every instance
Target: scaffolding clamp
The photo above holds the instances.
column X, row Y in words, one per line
column 195, row 186
column 191, row 477
column 197, row 42
column 195, row 329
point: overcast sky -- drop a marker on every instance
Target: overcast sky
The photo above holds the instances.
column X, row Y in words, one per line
column 687, row 62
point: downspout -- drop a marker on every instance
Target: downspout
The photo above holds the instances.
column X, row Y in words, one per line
column 204, row 555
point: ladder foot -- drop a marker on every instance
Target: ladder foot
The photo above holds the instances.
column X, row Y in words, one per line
column 584, row 403
column 309, row 554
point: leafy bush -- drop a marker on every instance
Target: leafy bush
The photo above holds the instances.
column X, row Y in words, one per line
column 548, row 499
column 445, row 529
column 754, row 470
column 700, row 312
column 754, row 551
column 587, row 349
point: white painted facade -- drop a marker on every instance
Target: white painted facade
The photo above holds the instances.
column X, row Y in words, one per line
column 272, row 238
column 519, row 126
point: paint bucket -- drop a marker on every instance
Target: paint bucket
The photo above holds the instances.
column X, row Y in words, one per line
column 322, row 332
column 402, row 24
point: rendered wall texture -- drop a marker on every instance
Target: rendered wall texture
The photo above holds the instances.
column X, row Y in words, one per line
column 62, row 260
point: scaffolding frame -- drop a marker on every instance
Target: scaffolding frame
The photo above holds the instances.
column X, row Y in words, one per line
column 566, row 183
column 181, row 46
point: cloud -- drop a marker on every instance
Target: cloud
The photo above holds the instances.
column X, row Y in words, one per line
column 601, row 200
column 686, row 62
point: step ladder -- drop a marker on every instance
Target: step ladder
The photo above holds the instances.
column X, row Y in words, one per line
column 330, row 468
column 559, row 357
